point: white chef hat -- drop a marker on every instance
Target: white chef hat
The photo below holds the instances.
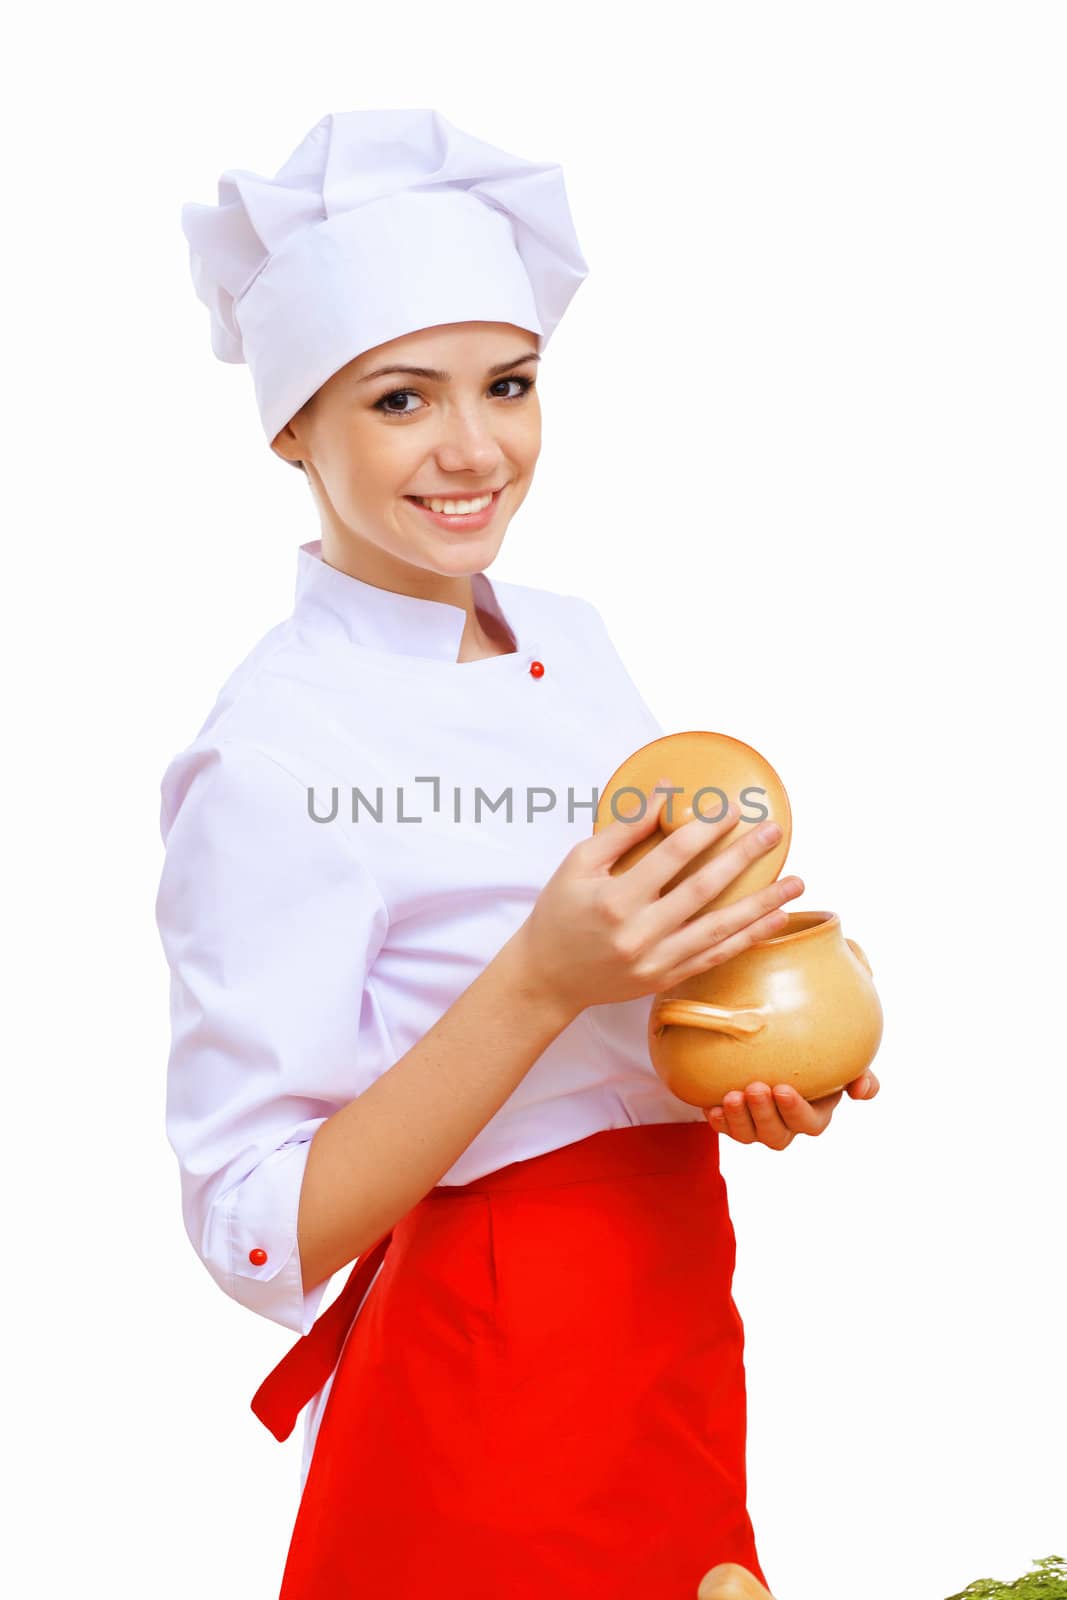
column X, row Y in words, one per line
column 379, row 223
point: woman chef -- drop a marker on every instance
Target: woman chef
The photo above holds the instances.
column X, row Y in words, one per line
column 408, row 999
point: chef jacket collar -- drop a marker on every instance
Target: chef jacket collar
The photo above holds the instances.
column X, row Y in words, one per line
column 380, row 619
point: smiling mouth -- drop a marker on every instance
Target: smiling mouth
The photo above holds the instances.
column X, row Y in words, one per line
column 457, row 505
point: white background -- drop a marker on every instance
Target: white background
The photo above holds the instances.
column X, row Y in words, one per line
column 804, row 447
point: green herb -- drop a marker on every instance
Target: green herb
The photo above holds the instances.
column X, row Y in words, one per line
column 1048, row 1581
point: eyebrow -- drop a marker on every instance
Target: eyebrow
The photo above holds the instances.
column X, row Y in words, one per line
column 445, row 377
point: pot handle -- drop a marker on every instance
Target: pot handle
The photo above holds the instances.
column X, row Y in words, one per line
column 740, row 1024
column 856, row 951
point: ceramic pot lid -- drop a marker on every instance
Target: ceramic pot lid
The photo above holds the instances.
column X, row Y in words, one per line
column 705, row 766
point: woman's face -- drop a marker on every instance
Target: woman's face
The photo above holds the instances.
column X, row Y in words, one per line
column 372, row 442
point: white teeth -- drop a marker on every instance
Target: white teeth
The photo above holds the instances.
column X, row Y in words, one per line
column 455, row 508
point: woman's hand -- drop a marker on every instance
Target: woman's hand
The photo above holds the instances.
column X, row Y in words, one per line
column 774, row 1117
column 595, row 937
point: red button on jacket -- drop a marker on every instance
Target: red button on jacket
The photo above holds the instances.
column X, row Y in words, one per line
column 257, row 1257
column 536, row 669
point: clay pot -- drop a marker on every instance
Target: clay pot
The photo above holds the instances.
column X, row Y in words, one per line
column 799, row 1008
column 728, row 1581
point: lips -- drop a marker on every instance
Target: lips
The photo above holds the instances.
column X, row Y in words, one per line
column 453, row 495
column 458, row 520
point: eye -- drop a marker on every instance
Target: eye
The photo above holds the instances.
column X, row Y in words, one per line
column 397, row 394
column 386, row 406
column 527, row 385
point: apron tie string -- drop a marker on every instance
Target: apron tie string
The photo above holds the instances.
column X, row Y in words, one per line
column 301, row 1373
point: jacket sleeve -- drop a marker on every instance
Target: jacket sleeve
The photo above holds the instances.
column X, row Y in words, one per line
column 270, row 922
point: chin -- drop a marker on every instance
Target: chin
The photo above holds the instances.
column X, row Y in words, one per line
column 463, row 563
column 470, row 551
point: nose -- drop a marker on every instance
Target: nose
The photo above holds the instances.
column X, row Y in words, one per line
column 468, row 442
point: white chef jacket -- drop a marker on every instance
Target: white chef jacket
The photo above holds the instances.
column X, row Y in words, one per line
column 313, row 939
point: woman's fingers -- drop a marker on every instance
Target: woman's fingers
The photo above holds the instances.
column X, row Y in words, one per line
column 720, row 935
column 805, row 1116
column 733, row 1117
column 770, row 1125
column 673, row 919
column 670, row 855
column 751, row 1117
column 864, row 1087
column 603, row 849
column 760, row 1114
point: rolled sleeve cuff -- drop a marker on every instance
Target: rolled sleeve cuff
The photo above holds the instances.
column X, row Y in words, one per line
column 262, row 1248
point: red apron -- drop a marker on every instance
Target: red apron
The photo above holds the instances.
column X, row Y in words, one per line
column 542, row 1396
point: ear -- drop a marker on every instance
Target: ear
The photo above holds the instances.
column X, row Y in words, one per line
column 286, row 445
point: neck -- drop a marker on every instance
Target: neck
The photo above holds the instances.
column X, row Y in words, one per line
column 361, row 559
column 483, row 635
